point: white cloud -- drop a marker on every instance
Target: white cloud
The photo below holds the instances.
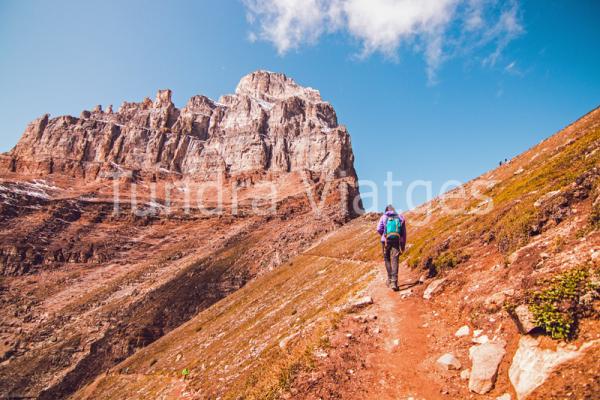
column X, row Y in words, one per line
column 437, row 28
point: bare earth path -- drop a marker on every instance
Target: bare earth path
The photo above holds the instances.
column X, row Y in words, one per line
column 384, row 352
column 399, row 367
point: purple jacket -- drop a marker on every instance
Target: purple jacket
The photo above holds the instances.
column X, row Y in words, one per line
column 382, row 223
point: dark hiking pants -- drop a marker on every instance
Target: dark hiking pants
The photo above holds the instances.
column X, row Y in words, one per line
column 391, row 253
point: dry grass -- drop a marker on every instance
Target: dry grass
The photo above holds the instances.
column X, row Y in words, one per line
column 233, row 348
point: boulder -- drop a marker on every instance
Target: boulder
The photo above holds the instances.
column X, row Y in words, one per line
column 433, row 288
column 448, row 361
column 486, row 359
column 531, row 365
column 524, row 319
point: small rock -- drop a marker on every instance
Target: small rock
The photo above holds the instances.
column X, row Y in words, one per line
column 178, row 357
column 448, row 361
column 486, row 359
column 349, row 335
column 463, row 331
column 396, row 342
column 505, row 396
column 477, row 332
column 320, row 353
column 494, row 302
column 524, row 319
column 377, row 330
column 361, row 303
column 433, row 288
column 464, row 374
column 422, row 278
column 481, row 339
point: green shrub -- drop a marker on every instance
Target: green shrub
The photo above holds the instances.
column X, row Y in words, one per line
column 557, row 307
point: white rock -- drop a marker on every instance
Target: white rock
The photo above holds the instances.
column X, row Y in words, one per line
column 481, row 339
column 361, row 303
column 477, row 332
column 449, row 361
column 464, row 374
column 531, row 365
column 486, row 359
column 463, row 331
column 505, row 396
column 433, row 288
column 524, row 319
column 320, row 353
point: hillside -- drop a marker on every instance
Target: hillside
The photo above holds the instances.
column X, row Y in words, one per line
column 522, row 276
column 116, row 227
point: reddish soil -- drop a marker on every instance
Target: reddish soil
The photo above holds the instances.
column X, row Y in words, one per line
column 386, row 357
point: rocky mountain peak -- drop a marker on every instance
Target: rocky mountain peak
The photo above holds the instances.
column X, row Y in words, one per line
column 270, row 125
column 272, row 86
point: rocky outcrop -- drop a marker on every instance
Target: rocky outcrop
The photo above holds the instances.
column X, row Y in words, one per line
column 270, row 125
column 532, row 365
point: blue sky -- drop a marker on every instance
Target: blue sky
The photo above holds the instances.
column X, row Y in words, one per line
column 427, row 93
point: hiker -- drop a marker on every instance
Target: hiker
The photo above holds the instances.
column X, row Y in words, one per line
column 392, row 228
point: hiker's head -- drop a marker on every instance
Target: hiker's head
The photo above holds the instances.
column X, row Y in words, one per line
column 390, row 207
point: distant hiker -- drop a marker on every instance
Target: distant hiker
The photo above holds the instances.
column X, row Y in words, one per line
column 392, row 229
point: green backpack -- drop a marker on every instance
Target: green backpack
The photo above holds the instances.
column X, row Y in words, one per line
column 393, row 227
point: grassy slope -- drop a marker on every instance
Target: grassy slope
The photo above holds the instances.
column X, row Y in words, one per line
column 233, row 348
column 552, row 165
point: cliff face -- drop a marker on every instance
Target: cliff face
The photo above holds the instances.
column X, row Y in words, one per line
column 270, row 124
column 104, row 247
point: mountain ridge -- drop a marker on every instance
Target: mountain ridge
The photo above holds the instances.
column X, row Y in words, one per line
column 241, row 133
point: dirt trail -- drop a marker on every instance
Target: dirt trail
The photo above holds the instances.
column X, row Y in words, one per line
column 385, row 352
column 399, row 367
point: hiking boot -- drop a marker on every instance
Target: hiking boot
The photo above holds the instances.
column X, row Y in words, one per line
column 394, row 286
column 388, row 283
